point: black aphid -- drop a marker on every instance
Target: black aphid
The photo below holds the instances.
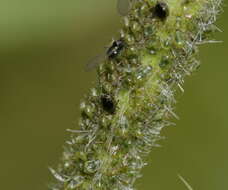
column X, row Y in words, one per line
column 108, row 104
column 116, row 47
column 161, row 10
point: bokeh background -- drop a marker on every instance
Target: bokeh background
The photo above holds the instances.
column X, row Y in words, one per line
column 44, row 47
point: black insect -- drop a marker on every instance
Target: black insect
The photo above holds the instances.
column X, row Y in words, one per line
column 108, row 104
column 111, row 53
column 116, row 47
column 161, row 10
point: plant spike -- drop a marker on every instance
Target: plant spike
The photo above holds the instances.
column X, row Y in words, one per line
column 122, row 117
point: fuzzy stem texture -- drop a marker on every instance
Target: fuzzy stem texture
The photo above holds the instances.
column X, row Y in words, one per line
column 122, row 117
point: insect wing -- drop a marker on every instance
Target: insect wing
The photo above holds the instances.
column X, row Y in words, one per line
column 94, row 62
column 123, row 7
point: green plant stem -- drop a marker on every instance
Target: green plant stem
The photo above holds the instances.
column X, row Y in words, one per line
column 122, row 117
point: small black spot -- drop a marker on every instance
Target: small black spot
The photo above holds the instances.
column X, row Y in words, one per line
column 116, row 47
column 161, row 10
column 108, row 104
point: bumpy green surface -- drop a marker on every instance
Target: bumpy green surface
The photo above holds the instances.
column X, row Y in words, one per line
column 122, row 117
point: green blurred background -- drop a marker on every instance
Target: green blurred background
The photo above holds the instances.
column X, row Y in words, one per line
column 44, row 46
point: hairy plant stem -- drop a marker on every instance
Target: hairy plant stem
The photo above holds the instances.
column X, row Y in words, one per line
column 122, row 117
